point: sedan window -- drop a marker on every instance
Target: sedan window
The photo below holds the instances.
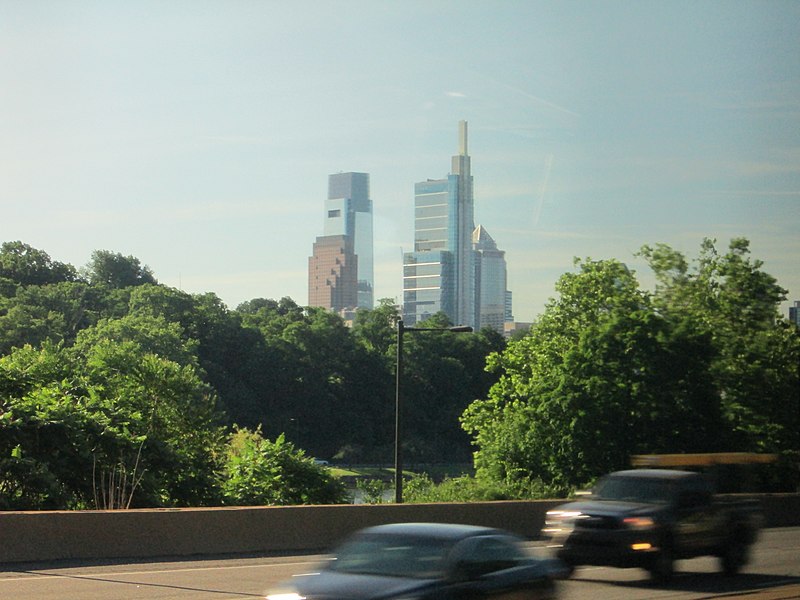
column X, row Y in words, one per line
column 392, row 556
column 491, row 554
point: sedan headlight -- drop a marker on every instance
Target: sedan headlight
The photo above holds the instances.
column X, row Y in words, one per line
column 559, row 521
column 561, row 516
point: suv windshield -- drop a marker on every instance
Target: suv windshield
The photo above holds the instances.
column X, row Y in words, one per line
column 634, row 489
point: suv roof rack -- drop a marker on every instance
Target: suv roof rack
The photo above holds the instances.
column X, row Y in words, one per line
column 701, row 460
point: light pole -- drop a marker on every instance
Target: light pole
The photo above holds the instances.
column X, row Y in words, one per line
column 398, row 405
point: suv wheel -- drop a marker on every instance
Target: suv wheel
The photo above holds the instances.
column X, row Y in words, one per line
column 734, row 557
column 663, row 566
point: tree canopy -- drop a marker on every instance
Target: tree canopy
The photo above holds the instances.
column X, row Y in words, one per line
column 139, row 387
column 24, row 265
column 703, row 363
column 118, row 391
column 116, row 270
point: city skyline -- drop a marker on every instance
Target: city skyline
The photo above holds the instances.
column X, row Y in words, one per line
column 196, row 136
column 456, row 267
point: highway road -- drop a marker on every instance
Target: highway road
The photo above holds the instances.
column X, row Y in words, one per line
column 774, row 570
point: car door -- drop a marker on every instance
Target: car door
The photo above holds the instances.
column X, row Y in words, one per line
column 497, row 567
column 698, row 526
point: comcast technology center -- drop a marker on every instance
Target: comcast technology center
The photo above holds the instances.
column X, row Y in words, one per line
column 440, row 274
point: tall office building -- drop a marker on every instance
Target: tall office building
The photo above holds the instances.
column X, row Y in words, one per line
column 492, row 298
column 341, row 273
column 439, row 275
column 332, row 274
column 509, row 306
column 794, row 313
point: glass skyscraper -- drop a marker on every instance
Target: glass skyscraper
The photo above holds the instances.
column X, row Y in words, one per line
column 348, row 226
column 439, row 275
column 493, row 299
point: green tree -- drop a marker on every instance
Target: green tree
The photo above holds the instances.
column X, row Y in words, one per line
column 55, row 312
column 258, row 471
column 72, row 416
column 318, row 383
column 231, row 357
column 271, row 317
column 705, row 363
column 44, row 461
column 443, row 373
column 601, row 376
column 332, row 405
column 51, row 429
column 165, row 302
column 372, row 490
column 376, row 329
column 755, row 350
column 164, row 403
column 152, row 334
column 117, row 271
column 24, row 265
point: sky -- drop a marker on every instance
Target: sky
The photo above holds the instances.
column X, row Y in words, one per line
column 198, row 135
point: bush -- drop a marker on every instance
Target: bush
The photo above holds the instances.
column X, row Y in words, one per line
column 421, row 488
column 260, row 472
column 372, row 490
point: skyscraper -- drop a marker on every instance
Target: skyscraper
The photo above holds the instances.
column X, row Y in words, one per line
column 341, row 268
column 492, row 298
column 332, row 273
column 794, row 313
column 439, row 275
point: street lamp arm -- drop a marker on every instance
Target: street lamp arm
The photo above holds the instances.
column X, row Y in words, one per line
column 398, row 424
column 456, row 329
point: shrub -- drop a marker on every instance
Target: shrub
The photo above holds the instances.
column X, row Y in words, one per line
column 421, row 488
column 257, row 471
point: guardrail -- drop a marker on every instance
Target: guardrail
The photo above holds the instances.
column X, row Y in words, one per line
column 152, row 533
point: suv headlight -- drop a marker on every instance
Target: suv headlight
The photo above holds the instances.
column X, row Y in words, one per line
column 638, row 522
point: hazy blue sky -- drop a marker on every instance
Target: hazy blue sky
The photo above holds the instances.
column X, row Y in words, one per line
column 198, row 136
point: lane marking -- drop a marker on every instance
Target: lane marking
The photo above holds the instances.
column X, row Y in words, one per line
column 50, row 574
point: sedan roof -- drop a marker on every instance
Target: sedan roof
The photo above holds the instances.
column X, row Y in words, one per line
column 655, row 473
column 453, row 531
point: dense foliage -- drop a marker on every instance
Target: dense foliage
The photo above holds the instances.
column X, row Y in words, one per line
column 118, row 391
column 421, row 488
column 703, row 363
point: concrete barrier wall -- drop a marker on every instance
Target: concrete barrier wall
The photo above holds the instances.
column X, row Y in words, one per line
column 781, row 510
column 151, row 533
